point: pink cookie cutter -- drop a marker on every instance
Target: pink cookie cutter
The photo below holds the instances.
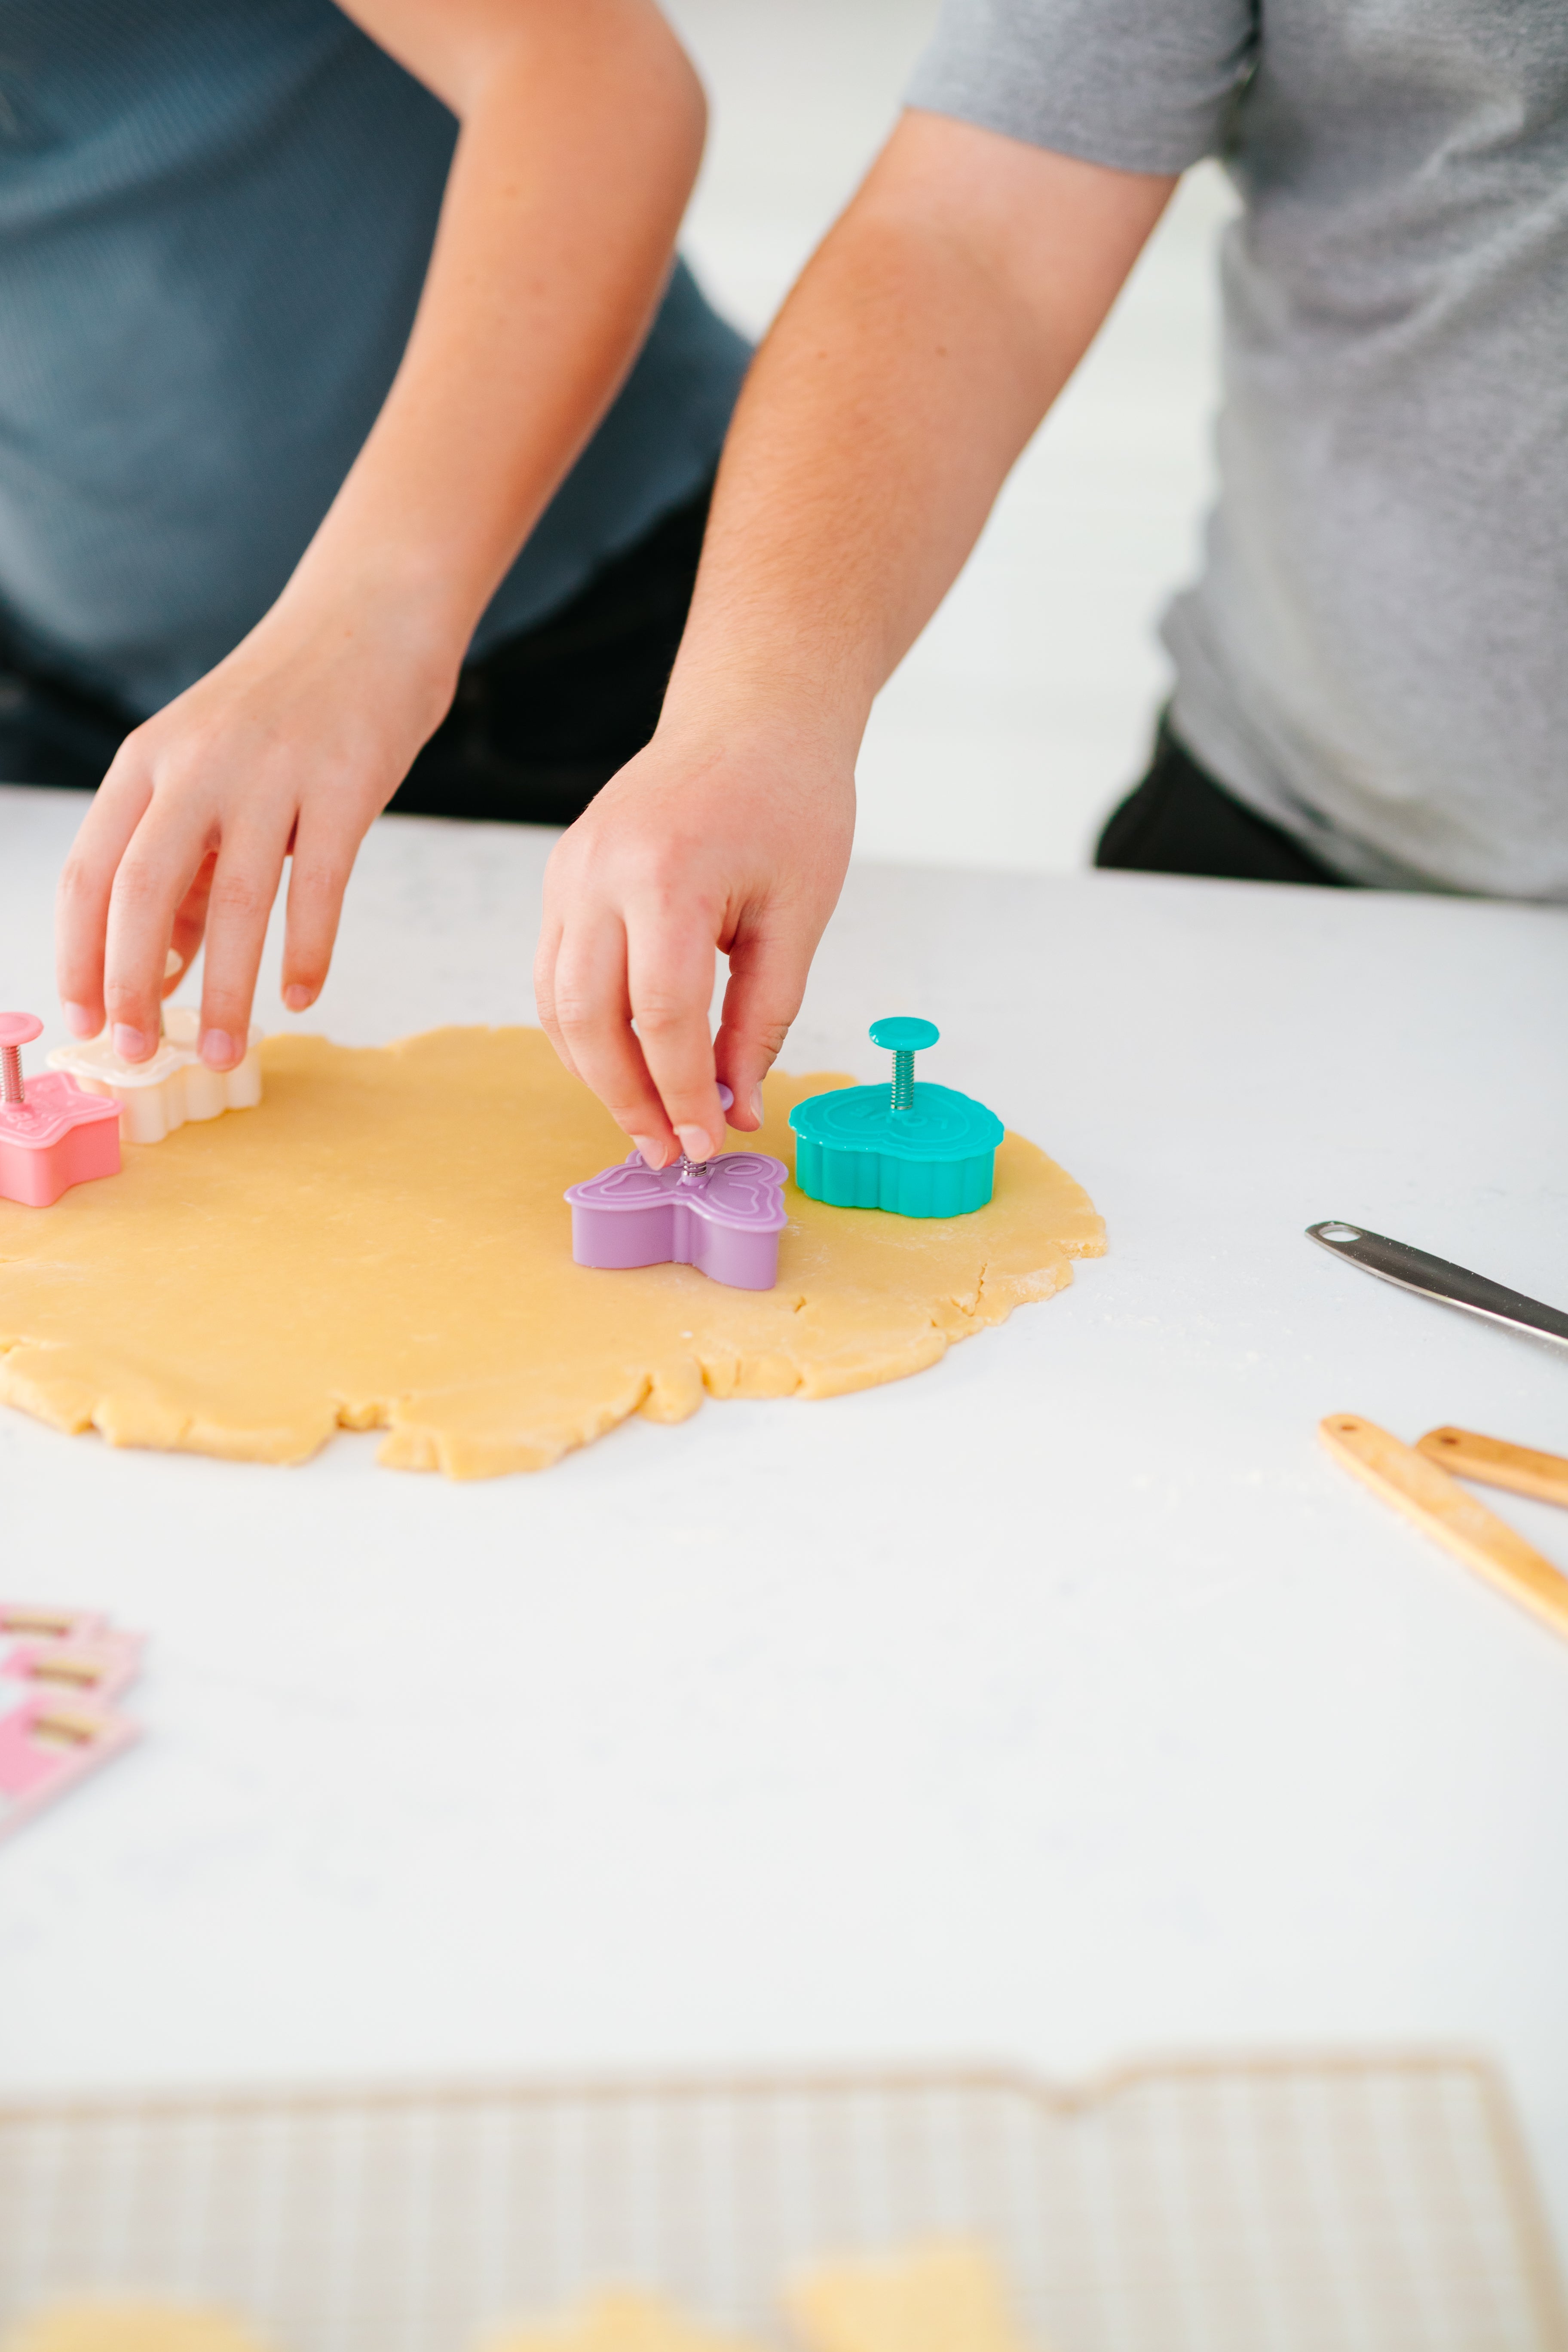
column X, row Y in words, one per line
column 100, row 1667
column 722, row 1216
column 48, row 1745
column 49, row 1620
column 53, row 1133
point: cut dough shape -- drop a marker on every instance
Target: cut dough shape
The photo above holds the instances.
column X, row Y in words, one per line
column 936, row 2299
column 129, row 2327
column 384, row 1244
column 614, row 2323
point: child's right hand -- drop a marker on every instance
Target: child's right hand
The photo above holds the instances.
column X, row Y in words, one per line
column 702, row 844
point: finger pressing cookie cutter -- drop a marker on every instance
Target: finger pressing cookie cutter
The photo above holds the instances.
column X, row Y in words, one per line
column 722, row 1216
column 53, row 1133
column 176, row 1085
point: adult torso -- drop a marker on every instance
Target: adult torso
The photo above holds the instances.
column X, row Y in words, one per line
column 1374, row 652
column 1376, row 649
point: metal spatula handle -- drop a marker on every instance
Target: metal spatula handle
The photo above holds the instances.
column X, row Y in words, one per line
column 1433, row 1277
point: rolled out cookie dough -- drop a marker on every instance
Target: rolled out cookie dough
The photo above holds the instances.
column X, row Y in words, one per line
column 383, row 1244
column 614, row 2323
column 93, row 2327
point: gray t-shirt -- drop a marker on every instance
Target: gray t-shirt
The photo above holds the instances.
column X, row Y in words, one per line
column 1376, row 654
column 215, row 221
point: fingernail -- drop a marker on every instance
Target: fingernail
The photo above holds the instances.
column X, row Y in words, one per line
column 652, row 1152
column 128, row 1044
column 80, row 1021
column 298, row 998
column 757, row 1111
column 217, row 1049
column 696, row 1142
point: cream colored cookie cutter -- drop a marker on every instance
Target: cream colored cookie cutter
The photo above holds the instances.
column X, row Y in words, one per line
column 157, row 1095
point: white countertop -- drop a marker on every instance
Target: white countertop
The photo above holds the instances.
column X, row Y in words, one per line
column 1059, row 1705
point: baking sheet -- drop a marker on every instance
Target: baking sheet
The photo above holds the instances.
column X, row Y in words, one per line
column 1377, row 2204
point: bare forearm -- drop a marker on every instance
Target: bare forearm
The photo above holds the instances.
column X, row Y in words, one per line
column 582, row 128
column 581, row 137
column 918, row 352
column 914, row 361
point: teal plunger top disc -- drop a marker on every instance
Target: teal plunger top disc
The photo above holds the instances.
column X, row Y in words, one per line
column 900, row 1035
column 919, row 1149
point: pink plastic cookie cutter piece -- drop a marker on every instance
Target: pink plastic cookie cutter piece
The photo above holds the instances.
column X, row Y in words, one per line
column 46, row 1746
column 722, row 1216
column 99, row 1668
column 53, row 1133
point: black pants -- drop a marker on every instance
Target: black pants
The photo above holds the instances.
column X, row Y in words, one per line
column 534, row 729
column 1179, row 821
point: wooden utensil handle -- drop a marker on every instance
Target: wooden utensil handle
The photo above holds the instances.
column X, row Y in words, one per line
column 1495, row 1462
column 1415, row 1485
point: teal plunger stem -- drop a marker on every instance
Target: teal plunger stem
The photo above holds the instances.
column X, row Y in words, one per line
column 905, row 1038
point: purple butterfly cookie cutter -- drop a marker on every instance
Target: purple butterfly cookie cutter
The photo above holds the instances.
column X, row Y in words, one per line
column 723, row 1216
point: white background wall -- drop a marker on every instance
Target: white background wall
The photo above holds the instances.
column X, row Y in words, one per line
column 1025, row 709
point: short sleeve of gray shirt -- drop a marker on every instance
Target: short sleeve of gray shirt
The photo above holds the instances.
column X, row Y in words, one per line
column 1373, row 657
column 1143, row 85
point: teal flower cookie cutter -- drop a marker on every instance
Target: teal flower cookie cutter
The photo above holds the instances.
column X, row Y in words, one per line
column 919, row 1149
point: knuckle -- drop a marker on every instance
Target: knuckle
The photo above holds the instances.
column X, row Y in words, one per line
column 80, row 880
column 139, row 882
column 123, row 998
column 636, row 1117
column 576, row 1012
column 665, row 854
column 661, row 1012
column 320, row 878
column 238, row 895
column 561, row 872
column 225, row 999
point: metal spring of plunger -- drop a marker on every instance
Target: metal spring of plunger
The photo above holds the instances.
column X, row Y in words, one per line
column 11, row 1087
column 903, row 1079
column 692, row 1168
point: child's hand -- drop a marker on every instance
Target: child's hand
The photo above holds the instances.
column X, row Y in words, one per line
column 699, row 845
column 927, row 338
column 291, row 746
column 582, row 132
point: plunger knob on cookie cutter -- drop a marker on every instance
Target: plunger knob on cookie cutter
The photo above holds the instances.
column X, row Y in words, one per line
column 53, row 1133
column 173, row 1085
column 722, row 1216
column 919, row 1149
